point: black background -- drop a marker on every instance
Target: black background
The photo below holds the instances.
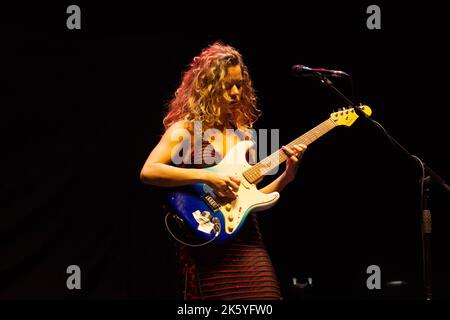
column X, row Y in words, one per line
column 81, row 109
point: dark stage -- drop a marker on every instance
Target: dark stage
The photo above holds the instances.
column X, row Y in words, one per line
column 82, row 109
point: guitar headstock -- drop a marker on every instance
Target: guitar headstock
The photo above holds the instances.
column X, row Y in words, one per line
column 346, row 117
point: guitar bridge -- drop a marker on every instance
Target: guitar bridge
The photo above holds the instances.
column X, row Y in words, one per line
column 211, row 202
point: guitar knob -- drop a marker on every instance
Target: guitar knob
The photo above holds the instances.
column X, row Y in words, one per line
column 228, row 206
column 230, row 218
column 230, row 229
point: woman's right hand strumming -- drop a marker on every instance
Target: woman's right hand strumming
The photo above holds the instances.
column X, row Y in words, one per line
column 223, row 185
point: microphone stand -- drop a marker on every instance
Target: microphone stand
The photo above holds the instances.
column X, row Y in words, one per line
column 428, row 175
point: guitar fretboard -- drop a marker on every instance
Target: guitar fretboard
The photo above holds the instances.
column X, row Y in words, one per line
column 269, row 163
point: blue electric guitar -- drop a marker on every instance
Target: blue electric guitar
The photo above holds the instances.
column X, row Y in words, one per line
column 212, row 218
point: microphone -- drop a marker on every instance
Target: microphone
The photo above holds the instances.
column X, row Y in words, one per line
column 305, row 71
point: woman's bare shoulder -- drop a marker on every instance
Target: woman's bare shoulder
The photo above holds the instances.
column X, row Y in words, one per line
column 180, row 124
column 181, row 128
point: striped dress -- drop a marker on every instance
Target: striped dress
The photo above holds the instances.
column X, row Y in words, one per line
column 238, row 269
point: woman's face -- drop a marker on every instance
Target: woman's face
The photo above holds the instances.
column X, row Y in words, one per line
column 232, row 86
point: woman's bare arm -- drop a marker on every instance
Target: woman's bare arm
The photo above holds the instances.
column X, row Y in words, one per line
column 158, row 172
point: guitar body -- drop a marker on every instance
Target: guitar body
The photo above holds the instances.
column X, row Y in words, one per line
column 212, row 218
column 207, row 214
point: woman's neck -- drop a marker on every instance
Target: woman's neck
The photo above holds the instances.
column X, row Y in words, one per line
column 226, row 120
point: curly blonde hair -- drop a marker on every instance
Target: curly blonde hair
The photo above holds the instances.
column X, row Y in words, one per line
column 198, row 97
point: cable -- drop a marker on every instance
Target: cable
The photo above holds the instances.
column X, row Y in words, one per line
column 396, row 145
column 217, row 229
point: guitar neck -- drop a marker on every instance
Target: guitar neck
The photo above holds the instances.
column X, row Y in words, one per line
column 271, row 162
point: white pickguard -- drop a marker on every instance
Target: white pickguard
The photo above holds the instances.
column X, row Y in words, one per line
column 249, row 198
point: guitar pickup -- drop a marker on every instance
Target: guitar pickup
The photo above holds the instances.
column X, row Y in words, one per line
column 211, row 202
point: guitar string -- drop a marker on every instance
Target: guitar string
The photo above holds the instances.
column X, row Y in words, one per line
column 256, row 171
